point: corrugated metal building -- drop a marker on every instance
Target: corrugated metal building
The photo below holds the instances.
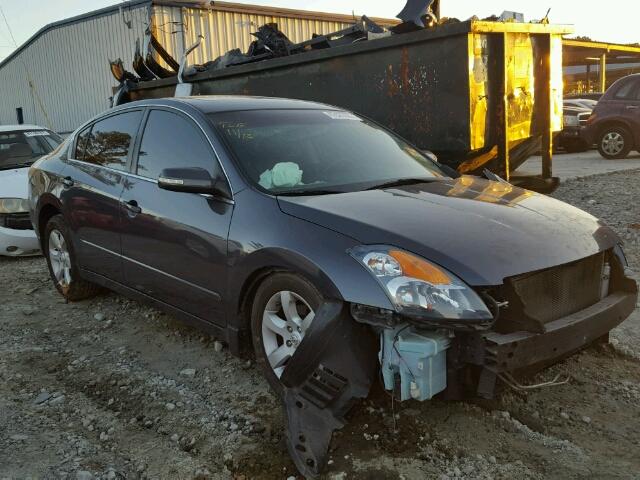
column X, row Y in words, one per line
column 60, row 77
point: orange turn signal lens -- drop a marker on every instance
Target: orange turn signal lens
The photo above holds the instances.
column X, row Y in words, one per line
column 417, row 268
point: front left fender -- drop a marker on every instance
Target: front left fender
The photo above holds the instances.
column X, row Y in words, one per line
column 268, row 239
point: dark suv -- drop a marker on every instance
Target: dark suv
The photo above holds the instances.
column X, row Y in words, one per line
column 614, row 125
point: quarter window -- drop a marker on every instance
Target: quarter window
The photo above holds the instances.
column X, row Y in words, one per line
column 81, row 143
column 109, row 141
column 172, row 141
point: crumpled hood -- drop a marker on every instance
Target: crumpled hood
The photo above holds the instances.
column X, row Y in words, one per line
column 481, row 231
column 14, row 183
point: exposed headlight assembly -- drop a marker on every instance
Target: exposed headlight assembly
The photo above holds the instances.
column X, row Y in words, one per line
column 416, row 286
column 14, row 205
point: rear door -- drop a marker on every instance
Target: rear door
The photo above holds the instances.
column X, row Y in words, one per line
column 622, row 97
column 174, row 244
column 94, row 180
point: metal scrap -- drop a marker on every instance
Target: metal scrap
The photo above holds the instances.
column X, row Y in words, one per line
column 126, row 79
column 150, row 60
column 270, row 39
column 270, row 43
column 138, row 65
column 417, row 13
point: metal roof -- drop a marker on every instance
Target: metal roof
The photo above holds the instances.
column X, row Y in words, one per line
column 220, row 6
column 271, row 11
column 69, row 21
column 581, row 52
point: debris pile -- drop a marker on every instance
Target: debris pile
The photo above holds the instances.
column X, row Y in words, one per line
column 270, row 42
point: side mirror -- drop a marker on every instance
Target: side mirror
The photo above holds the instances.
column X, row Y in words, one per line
column 193, row 180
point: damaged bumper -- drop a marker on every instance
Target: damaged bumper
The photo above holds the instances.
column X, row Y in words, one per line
column 333, row 367
column 513, row 352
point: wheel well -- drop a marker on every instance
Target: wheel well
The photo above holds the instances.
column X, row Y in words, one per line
column 613, row 124
column 247, row 293
column 46, row 212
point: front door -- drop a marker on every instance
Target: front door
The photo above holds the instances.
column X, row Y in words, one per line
column 174, row 244
column 95, row 179
column 632, row 112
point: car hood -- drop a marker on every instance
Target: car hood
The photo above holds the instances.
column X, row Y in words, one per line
column 481, row 231
column 574, row 111
column 14, row 183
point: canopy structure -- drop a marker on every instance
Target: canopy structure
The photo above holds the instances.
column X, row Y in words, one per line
column 617, row 59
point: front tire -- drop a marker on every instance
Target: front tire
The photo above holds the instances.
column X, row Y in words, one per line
column 62, row 263
column 282, row 311
column 615, row 142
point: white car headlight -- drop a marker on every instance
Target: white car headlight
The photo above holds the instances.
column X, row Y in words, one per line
column 416, row 286
column 14, row 205
column 571, row 121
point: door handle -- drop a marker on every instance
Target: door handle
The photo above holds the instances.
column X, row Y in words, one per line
column 133, row 207
column 632, row 107
column 67, row 182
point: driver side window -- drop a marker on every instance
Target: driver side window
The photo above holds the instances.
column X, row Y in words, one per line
column 171, row 141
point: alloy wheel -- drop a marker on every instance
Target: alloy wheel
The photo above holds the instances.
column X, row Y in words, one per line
column 59, row 258
column 612, row 143
column 285, row 320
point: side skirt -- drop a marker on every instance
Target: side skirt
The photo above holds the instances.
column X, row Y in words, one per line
column 230, row 334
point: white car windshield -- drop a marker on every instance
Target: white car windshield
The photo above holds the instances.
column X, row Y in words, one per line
column 21, row 148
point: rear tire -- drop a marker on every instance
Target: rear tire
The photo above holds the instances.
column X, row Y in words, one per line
column 615, row 142
column 283, row 333
column 62, row 263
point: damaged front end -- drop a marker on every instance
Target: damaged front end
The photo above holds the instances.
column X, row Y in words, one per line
column 551, row 314
column 334, row 365
column 529, row 322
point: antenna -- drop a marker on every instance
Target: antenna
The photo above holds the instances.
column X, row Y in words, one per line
column 29, row 80
column 15, row 44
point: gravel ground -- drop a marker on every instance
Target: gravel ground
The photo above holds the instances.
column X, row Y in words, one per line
column 109, row 388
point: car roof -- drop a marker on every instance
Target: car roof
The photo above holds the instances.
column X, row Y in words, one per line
column 19, row 128
column 232, row 103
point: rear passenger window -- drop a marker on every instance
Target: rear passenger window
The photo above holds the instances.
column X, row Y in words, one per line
column 172, row 141
column 110, row 139
column 627, row 91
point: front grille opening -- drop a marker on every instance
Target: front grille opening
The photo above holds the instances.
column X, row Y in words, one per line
column 540, row 297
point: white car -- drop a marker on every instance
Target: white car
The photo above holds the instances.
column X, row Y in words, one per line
column 20, row 146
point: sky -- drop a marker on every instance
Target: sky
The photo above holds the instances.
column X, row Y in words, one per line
column 589, row 17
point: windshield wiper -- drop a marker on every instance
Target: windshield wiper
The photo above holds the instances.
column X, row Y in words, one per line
column 402, row 181
column 307, row 192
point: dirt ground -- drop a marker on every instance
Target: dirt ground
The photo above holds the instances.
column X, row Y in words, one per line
column 109, row 388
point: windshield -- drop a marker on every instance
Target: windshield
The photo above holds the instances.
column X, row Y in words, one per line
column 21, row 148
column 318, row 151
